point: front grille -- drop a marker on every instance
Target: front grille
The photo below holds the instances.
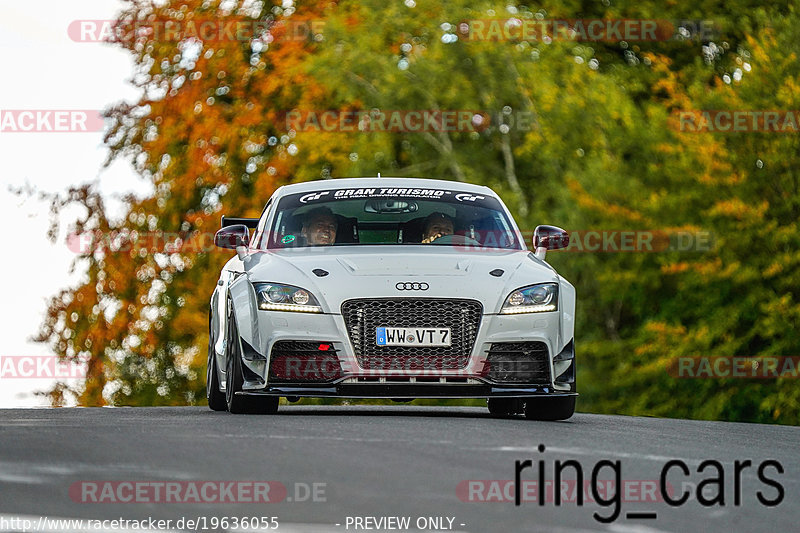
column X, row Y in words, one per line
column 517, row 362
column 362, row 317
column 304, row 361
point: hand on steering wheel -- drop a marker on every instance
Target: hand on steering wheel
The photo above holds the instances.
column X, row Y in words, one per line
column 451, row 239
column 431, row 238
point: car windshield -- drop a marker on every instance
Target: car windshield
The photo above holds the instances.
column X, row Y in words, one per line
column 396, row 216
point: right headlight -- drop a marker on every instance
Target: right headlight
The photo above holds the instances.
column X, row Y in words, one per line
column 280, row 297
column 538, row 298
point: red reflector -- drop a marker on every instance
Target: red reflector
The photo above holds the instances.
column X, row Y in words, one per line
column 324, row 347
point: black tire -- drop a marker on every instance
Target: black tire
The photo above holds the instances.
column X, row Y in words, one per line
column 234, row 378
column 215, row 397
column 501, row 406
column 559, row 408
column 264, row 405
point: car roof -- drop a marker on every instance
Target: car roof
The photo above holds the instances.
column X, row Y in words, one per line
column 359, row 183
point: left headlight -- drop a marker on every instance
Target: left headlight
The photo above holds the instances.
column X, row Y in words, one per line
column 280, row 297
column 534, row 299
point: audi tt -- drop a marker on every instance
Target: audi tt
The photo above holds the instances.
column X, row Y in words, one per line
column 393, row 288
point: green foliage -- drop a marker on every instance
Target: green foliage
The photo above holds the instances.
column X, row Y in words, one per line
column 602, row 151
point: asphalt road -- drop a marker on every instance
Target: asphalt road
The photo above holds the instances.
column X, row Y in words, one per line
column 379, row 462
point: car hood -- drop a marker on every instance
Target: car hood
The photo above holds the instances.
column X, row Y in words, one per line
column 376, row 271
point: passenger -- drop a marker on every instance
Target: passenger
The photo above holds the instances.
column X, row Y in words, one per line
column 435, row 226
column 319, row 227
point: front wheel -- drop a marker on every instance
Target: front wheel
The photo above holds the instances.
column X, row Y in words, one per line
column 216, row 398
column 234, row 378
column 543, row 408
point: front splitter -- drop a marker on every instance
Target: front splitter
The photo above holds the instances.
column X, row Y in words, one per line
column 405, row 390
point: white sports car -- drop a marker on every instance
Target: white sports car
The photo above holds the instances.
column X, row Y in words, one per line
column 390, row 288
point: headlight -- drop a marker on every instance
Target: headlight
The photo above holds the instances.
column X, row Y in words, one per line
column 534, row 299
column 279, row 297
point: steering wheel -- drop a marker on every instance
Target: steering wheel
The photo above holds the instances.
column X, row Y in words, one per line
column 461, row 240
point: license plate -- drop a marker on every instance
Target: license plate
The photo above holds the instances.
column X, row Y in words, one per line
column 412, row 336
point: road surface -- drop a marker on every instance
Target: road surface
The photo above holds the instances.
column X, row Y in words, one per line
column 371, row 468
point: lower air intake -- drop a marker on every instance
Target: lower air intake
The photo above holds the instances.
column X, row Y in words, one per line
column 304, row 362
column 518, row 362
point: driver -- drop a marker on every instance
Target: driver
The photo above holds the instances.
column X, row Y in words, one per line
column 435, row 226
column 319, row 227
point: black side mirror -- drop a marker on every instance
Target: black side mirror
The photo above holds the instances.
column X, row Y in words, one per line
column 232, row 236
column 549, row 238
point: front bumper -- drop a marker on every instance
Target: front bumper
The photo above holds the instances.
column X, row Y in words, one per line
column 471, row 380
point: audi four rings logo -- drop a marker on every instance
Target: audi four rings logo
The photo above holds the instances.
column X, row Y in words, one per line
column 412, row 286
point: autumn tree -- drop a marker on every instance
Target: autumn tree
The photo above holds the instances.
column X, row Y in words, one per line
column 204, row 133
column 581, row 134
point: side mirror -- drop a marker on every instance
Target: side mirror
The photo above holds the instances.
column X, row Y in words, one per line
column 548, row 238
column 232, row 237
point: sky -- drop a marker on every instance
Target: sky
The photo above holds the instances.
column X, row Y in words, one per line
column 42, row 68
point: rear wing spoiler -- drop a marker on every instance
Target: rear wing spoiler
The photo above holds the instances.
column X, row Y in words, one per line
column 231, row 221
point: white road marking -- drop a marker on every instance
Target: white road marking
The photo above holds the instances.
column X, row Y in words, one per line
column 24, row 469
column 582, row 451
column 21, row 479
column 327, row 437
column 621, row 528
column 565, row 530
